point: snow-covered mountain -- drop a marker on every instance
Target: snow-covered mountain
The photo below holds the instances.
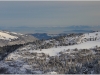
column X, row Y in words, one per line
column 66, row 54
column 11, row 38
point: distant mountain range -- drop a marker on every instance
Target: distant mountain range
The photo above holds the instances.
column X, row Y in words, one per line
column 57, row 29
column 48, row 36
column 41, row 35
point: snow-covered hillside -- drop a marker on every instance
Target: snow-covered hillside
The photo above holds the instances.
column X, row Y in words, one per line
column 7, row 36
column 57, row 57
column 11, row 38
column 85, row 41
column 54, row 51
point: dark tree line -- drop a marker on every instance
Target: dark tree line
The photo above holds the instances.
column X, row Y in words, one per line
column 5, row 50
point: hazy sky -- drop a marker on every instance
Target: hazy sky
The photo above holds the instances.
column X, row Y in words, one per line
column 50, row 13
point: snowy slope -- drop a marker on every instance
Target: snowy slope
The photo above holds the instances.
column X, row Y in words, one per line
column 22, row 57
column 81, row 45
column 54, row 51
column 7, row 36
column 11, row 38
column 86, row 37
column 84, row 43
column 92, row 35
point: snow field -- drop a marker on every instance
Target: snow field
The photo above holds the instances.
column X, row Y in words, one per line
column 7, row 36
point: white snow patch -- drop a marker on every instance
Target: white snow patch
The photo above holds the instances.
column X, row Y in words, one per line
column 54, row 51
column 6, row 36
column 16, row 33
column 53, row 72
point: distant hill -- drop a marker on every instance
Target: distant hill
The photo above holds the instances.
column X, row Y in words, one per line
column 41, row 35
column 48, row 36
column 11, row 38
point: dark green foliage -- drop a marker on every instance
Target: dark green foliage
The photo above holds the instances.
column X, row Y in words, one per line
column 3, row 70
column 5, row 50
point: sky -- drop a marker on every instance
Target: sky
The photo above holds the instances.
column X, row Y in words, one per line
column 49, row 13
